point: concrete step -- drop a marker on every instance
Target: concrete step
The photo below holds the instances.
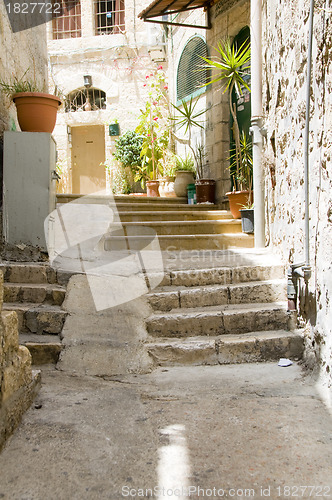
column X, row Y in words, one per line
column 40, row 319
column 173, row 297
column 243, row 348
column 173, row 215
column 34, row 293
column 180, row 242
column 178, row 228
column 223, row 275
column 44, row 349
column 220, row 320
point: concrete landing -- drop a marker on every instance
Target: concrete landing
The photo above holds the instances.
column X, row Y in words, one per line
column 237, row 431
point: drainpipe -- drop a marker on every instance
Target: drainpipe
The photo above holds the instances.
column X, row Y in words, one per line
column 307, row 267
column 256, row 120
column 303, row 270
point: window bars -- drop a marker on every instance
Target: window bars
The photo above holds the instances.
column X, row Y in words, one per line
column 191, row 73
column 68, row 23
column 85, row 100
column 110, row 16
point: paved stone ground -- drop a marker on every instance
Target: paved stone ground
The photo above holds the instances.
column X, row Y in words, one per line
column 236, row 431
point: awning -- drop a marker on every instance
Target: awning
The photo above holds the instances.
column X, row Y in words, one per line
column 164, row 8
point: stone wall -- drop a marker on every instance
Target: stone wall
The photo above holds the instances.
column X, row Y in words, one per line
column 18, row 383
column 285, row 42
column 117, row 63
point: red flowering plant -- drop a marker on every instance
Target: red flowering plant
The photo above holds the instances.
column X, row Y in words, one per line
column 154, row 126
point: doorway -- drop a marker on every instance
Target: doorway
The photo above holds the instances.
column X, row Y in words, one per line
column 88, row 152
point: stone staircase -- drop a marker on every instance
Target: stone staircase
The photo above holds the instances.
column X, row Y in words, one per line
column 178, row 225
column 36, row 292
column 222, row 315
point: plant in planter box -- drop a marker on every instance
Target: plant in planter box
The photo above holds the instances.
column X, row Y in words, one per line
column 232, row 64
column 166, row 183
column 243, row 178
column 36, row 110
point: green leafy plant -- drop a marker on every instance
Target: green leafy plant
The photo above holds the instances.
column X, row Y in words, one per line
column 188, row 118
column 128, row 149
column 121, row 177
column 186, row 163
column 243, row 177
column 154, row 125
column 232, row 64
column 19, row 85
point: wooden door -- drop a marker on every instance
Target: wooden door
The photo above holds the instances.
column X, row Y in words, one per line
column 88, row 152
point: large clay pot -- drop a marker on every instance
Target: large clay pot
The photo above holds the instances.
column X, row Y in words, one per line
column 152, row 188
column 205, row 191
column 237, row 199
column 166, row 187
column 182, row 179
column 36, row 112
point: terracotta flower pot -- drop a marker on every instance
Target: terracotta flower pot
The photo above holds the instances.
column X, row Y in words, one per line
column 182, row 179
column 236, row 201
column 36, row 112
column 152, row 188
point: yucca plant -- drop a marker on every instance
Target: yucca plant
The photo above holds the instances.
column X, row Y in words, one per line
column 232, row 63
column 188, row 118
column 244, row 177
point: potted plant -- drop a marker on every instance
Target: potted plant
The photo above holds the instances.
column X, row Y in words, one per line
column 36, row 110
column 187, row 118
column 184, row 174
column 128, row 149
column 242, row 178
column 205, row 188
column 247, row 218
column 232, row 64
column 167, row 181
column 154, row 126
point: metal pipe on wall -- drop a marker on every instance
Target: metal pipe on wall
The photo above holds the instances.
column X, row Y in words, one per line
column 256, row 120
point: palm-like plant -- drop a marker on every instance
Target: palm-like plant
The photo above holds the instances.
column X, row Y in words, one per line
column 232, row 64
column 188, row 119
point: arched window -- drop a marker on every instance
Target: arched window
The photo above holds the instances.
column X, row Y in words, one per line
column 85, row 100
column 191, row 75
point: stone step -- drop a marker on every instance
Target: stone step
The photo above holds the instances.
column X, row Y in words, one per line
column 44, row 349
column 34, row 293
column 33, row 273
column 174, row 297
column 123, row 199
column 173, row 215
column 222, row 275
column 243, row 348
column 180, row 242
column 40, row 319
column 163, row 207
column 178, row 228
column 220, row 320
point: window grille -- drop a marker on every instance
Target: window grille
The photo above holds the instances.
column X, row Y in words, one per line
column 68, row 24
column 110, row 16
column 191, row 76
column 85, row 100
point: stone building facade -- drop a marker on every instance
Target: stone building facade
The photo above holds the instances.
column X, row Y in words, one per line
column 284, row 50
column 116, row 59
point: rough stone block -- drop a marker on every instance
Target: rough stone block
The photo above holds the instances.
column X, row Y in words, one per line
column 17, row 373
column 10, row 332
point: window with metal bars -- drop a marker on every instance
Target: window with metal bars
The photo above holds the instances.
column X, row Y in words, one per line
column 85, row 100
column 110, row 16
column 191, row 75
column 68, row 23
